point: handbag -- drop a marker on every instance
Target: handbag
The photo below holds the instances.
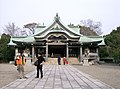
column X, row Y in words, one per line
column 36, row 63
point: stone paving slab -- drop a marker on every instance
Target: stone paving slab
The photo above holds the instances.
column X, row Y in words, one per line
column 58, row 77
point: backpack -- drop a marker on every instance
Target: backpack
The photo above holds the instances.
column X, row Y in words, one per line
column 15, row 63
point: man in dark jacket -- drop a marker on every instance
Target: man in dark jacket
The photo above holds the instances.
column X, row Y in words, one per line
column 59, row 59
column 39, row 66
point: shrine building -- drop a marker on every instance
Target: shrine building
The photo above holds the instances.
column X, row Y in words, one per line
column 57, row 39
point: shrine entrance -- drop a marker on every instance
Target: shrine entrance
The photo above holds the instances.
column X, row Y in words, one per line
column 56, row 50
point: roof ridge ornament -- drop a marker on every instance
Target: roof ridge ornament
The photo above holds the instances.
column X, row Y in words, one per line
column 56, row 17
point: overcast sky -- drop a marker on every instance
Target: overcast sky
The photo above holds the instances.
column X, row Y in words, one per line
column 22, row 12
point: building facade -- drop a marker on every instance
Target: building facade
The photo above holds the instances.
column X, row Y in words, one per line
column 58, row 39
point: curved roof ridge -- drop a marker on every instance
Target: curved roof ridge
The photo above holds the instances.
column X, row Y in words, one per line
column 54, row 31
column 95, row 36
column 70, row 29
column 46, row 28
column 58, row 20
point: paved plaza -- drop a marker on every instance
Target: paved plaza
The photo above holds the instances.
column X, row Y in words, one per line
column 58, row 77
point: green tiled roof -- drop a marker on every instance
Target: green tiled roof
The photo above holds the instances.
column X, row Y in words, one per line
column 85, row 39
column 39, row 29
column 11, row 43
column 15, row 39
column 76, row 29
column 28, row 39
column 98, row 38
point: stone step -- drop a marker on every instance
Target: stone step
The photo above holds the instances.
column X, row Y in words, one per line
column 71, row 60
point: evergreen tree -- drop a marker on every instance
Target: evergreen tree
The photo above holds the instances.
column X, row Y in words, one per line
column 112, row 49
column 6, row 53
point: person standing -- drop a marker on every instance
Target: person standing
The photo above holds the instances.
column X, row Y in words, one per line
column 39, row 66
column 65, row 61
column 59, row 59
column 23, row 59
column 20, row 61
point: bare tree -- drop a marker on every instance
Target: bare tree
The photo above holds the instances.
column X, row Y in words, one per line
column 11, row 29
column 31, row 27
column 14, row 30
column 24, row 32
column 87, row 31
column 95, row 26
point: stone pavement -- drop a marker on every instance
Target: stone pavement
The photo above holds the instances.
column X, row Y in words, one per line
column 58, row 77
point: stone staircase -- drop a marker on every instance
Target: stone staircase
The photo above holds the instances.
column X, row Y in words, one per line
column 71, row 60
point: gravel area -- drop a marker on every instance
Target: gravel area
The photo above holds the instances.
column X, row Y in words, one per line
column 107, row 73
column 9, row 73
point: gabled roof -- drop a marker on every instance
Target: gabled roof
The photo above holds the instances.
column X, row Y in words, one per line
column 57, row 25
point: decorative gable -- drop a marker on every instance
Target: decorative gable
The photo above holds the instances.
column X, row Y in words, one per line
column 57, row 25
column 57, row 30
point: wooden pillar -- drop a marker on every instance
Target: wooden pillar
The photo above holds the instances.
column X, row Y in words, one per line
column 81, row 54
column 47, row 51
column 67, row 51
column 33, row 56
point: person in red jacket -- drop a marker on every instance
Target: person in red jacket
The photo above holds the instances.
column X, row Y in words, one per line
column 65, row 61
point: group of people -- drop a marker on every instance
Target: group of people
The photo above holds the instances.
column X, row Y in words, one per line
column 20, row 62
column 64, row 60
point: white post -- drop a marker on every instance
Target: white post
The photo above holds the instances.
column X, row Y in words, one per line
column 16, row 51
column 97, row 51
column 47, row 51
column 67, row 52
column 81, row 54
column 33, row 56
